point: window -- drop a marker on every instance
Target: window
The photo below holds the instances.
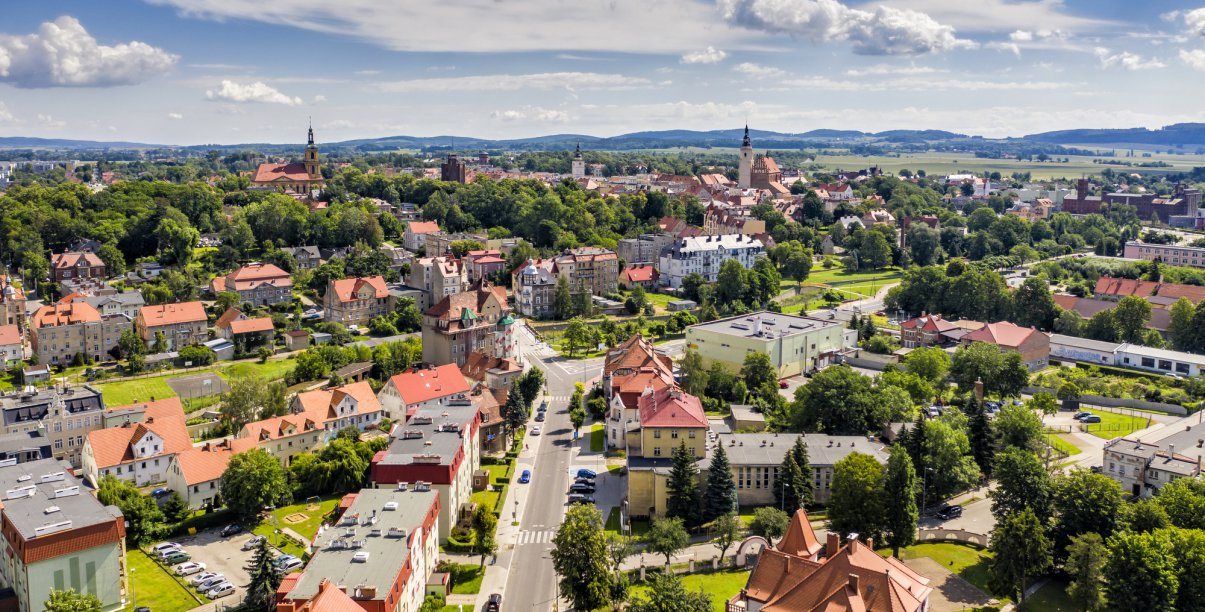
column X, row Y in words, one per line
column 656, row 451
column 673, row 434
column 1182, row 368
column 58, row 445
column 1147, row 362
column 691, row 434
column 656, row 433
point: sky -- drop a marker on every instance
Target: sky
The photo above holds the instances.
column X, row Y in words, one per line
column 233, row 71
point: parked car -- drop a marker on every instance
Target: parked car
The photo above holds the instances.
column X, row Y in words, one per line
column 1091, row 418
column 535, row 431
column 282, row 559
column 543, row 406
column 1096, row 469
column 202, row 577
column 220, row 591
column 230, row 530
column 948, row 512
column 291, row 565
column 494, row 604
column 539, row 417
column 177, row 558
column 933, row 412
column 584, row 473
column 578, row 487
column 525, row 477
column 578, row 498
column 1079, row 415
column 160, row 492
column 253, row 542
column 210, row 582
column 162, row 546
column 189, row 568
column 583, row 480
column 170, row 550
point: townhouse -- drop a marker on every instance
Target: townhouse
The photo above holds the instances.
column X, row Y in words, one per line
column 62, row 330
column 477, row 320
column 353, row 405
column 356, row 301
column 534, row 285
column 704, row 255
column 64, row 266
column 1033, row 345
column 65, row 414
column 406, row 393
column 415, row 236
column 12, row 346
column 182, row 324
column 139, row 450
column 260, row 284
column 437, row 277
column 196, row 472
column 591, row 270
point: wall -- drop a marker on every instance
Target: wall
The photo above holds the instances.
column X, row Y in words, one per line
column 105, row 582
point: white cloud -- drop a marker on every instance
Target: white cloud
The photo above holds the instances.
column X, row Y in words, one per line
column 489, row 25
column 887, row 69
column 1011, row 47
column 1194, row 58
column 512, row 82
column 63, row 54
column 176, row 116
column 366, row 72
column 5, row 115
column 1021, row 36
column 536, row 113
column 318, row 99
column 1002, row 15
column 710, row 55
column 250, row 92
column 758, row 72
column 1195, row 21
column 909, row 84
column 50, row 122
column 1125, row 59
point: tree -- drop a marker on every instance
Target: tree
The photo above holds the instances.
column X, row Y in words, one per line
column 758, row 372
column 140, row 511
column 1180, row 328
column 577, row 414
column 1001, row 372
column 1140, row 572
column 1188, row 549
column 794, row 491
column 1019, row 427
column 855, row 501
column 253, row 480
column 666, row 536
column 1132, row 314
column 694, row 374
column 719, row 499
column 731, row 282
column 530, row 383
column 1183, row 500
column 577, row 335
column 175, row 509
column 666, row 594
column 798, row 265
column 1085, row 563
column 1033, row 306
column 1146, row 515
column 71, row 600
column 1021, row 551
column 515, row 409
column 340, row 467
column 1022, row 482
column 875, row 252
column 115, row 261
column 725, row 531
column 683, row 486
column 1069, row 323
column 130, row 344
column 900, row 515
column 1043, row 403
column 981, row 434
column 562, row 300
column 581, row 559
column 485, row 524
column 241, row 404
column 930, row 363
column 769, row 523
column 947, row 454
column 838, row 400
column 265, row 577
column 1085, row 503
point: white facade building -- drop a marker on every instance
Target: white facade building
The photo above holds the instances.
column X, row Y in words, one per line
column 704, row 255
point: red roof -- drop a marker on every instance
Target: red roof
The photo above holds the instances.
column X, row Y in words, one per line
column 320, row 405
column 171, row 314
column 72, row 313
column 251, row 326
column 422, row 227
column 164, row 418
column 929, row 323
column 267, row 173
column 253, row 275
column 1001, row 334
column 640, row 274
column 208, row 462
column 346, row 289
column 1122, row 287
column 71, row 260
column 418, row 386
column 800, row 539
column 9, row 334
column 851, row 578
column 671, row 407
column 1194, row 293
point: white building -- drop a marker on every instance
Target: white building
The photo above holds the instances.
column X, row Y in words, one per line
column 704, row 255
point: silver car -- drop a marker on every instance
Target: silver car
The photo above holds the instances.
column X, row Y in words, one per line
column 220, row 591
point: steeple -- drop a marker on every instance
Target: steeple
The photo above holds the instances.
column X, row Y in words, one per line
column 577, row 151
column 310, row 140
column 745, row 142
column 745, row 167
column 311, row 156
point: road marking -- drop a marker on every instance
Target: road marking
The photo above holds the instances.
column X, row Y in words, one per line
column 543, row 536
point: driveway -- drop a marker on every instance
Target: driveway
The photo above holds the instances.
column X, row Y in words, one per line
column 224, row 555
column 950, row 592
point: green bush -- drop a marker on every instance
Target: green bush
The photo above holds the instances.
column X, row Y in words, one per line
column 502, row 480
column 201, row 522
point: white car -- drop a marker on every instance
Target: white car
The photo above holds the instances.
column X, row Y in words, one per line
column 535, row 431
column 253, row 542
column 162, row 546
column 189, row 568
column 220, row 591
column 202, row 577
column 291, row 565
column 213, row 581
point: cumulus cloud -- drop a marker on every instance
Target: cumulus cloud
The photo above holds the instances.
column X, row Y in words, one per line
column 1125, row 59
column 250, row 92
column 50, row 121
column 1194, row 58
column 318, row 99
column 176, row 116
column 883, row 31
column 63, row 54
column 1194, row 20
column 710, row 55
column 513, row 82
column 536, row 113
column 758, row 71
column 5, row 115
column 887, row 69
column 1021, row 36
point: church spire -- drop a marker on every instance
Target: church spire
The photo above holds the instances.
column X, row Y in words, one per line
column 745, row 142
column 310, row 141
column 577, row 151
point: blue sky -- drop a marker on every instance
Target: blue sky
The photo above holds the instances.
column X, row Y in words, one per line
column 228, row 71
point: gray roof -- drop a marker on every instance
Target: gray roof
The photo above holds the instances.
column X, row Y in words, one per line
column 771, row 448
column 28, row 513
column 766, row 325
column 435, row 431
column 312, row 251
column 1084, row 343
column 387, row 552
column 743, row 412
column 19, row 406
column 20, row 445
column 127, row 298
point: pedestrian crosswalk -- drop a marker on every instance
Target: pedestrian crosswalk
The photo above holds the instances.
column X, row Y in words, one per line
column 536, row 537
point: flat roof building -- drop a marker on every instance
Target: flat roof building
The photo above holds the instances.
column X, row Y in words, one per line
column 795, row 344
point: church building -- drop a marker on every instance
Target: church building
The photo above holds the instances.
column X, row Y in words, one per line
column 296, row 177
column 578, row 164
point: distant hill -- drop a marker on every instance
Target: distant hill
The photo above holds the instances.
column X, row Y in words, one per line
column 1171, row 135
column 26, row 142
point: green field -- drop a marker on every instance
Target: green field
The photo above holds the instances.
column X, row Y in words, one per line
column 719, row 585
column 1052, row 597
column 840, row 275
column 466, row 577
column 155, row 588
column 940, row 164
column 1061, row 445
column 307, row 528
column 597, row 438
column 1114, row 425
column 124, row 392
column 968, row 562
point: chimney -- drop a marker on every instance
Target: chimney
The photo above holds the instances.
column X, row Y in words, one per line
column 832, row 544
column 1081, row 188
column 853, row 583
column 870, row 543
column 1171, row 451
column 979, row 389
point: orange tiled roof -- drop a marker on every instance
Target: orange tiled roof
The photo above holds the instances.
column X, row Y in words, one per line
column 319, row 405
column 208, row 462
column 253, row 275
column 474, row 300
column 418, row 386
column 57, row 314
column 476, row 364
column 422, row 227
column 1194, row 293
column 634, row 353
column 1001, row 334
column 232, row 314
column 1121, row 287
column 640, row 273
column 929, row 323
column 346, row 288
column 9, row 334
column 165, row 418
column 671, row 407
column 71, row 260
column 251, row 326
column 267, row 173
column 800, row 540
column 797, row 585
column 172, row 314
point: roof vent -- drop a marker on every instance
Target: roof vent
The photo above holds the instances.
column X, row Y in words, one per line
column 360, row 557
column 51, row 509
column 391, row 505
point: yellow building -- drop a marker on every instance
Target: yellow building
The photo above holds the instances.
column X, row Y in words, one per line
column 795, row 344
column 669, row 418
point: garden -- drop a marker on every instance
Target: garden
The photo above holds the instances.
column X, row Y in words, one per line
column 303, row 518
column 1121, row 384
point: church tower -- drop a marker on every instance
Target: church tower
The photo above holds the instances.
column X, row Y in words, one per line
column 311, row 157
column 745, row 175
column 579, row 164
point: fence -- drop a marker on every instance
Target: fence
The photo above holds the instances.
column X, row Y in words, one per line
column 871, row 361
column 952, row 535
column 1116, row 402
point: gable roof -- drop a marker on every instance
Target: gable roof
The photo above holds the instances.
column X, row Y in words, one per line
column 345, row 289
column 477, row 364
column 474, row 300
column 164, row 417
column 208, row 461
column 270, row 172
column 418, row 386
column 71, row 260
column 232, row 314
column 929, row 323
column 422, row 227
column 60, row 313
column 671, row 407
column 640, row 273
column 874, row 583
column 251, row 326
column 1001, row 334
column 10, row 334
column 320, row 405
column 1121, row 287
column 171, row 314
column 253, row 275
column 1194, row 293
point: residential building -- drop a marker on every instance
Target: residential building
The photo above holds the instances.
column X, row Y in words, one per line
column 59, row 537
column 307, row 257
column 493, row 430
column 12, row 304
column 302, row 177
column 12, row 345
column 800, row 575
column 237, row 327
column 126, row 303
column 284, row 437
column 406, row 393
column 440, row 243
column 437, row 277
column 356, row 301
column 24, row 447
column 415, row 236
column 667, row 419
column 377, row 557
column 353, row 405
column 1143, row 463
column 756, row 457
column 727, row 219
column 704, row 255
column 484, row 264
column 589, row 269
column 535, row 287
column 62, row 330
column 440, row 447
column 1172, row 254
column 64, row 266
column 645, row 248
column 66, row 415
column 925, row 330
column 260, row 284
column 629, row 370
column 139, row 450
column 643, row 275
column 1033, row 345
column 463, row 323
column 182, row 324
column 795, row 344
column 196, row 472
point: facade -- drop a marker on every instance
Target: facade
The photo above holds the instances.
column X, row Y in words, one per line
column 629, row 370
column 453, row 170
column 642, row 275
column 415, row 236
column 58, row 536
column 64, row 266
column 1172, row 254
column 182, row 324
column 196, row 473
column 234, row 325
column 535, row 287
column 296, row 177
column 1142, row 464
column 63, row 329
column 477, row 320
column 406, row 393
column 496, row 373
column 756, row 458
column 1033, row 345
column 356, row 301
column 591, row 270
column 260, row 284
column 795, row 344
column 377, row 557
column 1071, row 348
column 440, row 447
column 1175, row 363
column 437, row 277
column 483, row 264
column 126, row 303
column 645, row 248
column 704, row 255
column 12, row 304
column 578, row 165
column 65, row 414
column 334, row 409
column 139, row 450
column 925, row 330
column 665, row 419
column 307, row 257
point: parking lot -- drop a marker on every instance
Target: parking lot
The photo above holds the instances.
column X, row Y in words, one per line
column 223, row 555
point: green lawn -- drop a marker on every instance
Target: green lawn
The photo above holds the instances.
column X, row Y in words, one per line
column 466, row 577
column 1061, row 445
column 968, row 562
column 597, row 438
column 840, row 275
column 719, row 585
column 639, row 526
column 456, row 609
column 155, row 588
column 1114, row 425
column 307, row 528
column 274, row 369
column 1052, row 597
column 124, row 392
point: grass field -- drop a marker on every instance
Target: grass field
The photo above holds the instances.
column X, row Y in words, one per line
column 466, row 577
column 639, row 526
column 124, row 392
column 307, row 528
column 949, row 163
column 155, row 588
column 1061, row 445
column 1114, row 425
column 840, row 275
column 718, row 585
column 968, row 562
column 274, row 369
column 597, row 438
column 1052, row 597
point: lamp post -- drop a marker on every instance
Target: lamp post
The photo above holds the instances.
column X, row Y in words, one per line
column 924, row 489
column 782, row 498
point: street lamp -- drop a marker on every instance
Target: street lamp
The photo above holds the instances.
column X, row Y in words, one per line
column 924, row 489
column 783, row 495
